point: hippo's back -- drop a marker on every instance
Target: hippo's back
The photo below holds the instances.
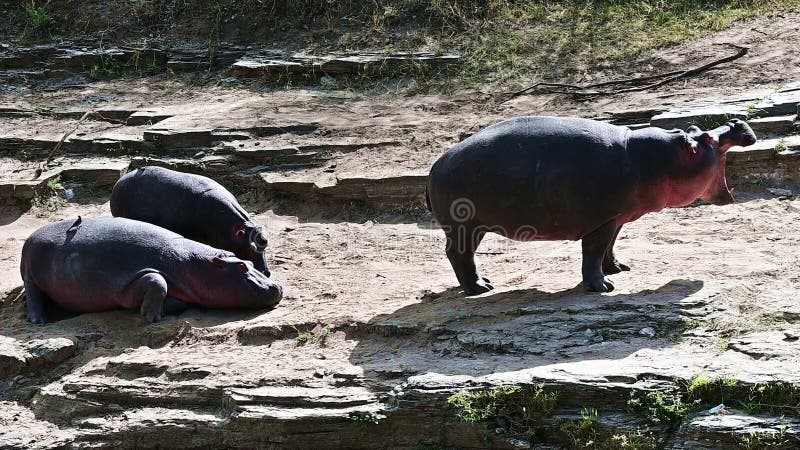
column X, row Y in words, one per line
column 559, row 174
column 170, row 199
column 99, row 258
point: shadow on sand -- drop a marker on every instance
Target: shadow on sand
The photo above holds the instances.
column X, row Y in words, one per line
column 506, row 331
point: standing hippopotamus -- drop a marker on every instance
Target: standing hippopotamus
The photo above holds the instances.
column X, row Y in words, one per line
column 554, row 178
column 110, row 263
column 193, row 206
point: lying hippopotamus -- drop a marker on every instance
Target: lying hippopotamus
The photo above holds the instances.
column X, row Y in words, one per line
column 110, row 263
column 554, row 178
column 193, row 206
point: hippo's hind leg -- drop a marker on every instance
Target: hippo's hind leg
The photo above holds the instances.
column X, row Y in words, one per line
column 35, row 302
column 461, row 245
column 151, row 290
column 610, row 263
column 595, row 245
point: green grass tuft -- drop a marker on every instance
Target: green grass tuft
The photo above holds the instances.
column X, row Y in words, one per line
column 304, row 337
column 37, row 17
column 511, row 404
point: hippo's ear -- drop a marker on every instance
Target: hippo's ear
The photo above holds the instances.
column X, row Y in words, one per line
column 219, row 262
column 694, row 130
column 709, row 140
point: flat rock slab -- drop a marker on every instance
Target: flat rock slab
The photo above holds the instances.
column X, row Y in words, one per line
column 146, row 118
column 32, row 356
column 779, row 103
column 380, row 189
column 254, row 66
column 773, row 125
column 764, row 150
column 727, row 430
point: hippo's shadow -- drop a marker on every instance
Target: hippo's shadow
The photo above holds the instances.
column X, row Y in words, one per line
column 505, row 331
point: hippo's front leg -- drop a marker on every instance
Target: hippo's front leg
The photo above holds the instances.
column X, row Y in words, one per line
column 595, row 245
column 610, row 263
column 151, row 289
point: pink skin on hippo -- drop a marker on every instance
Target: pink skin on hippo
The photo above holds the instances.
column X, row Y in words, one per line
column 115, row 263
column 564, row 178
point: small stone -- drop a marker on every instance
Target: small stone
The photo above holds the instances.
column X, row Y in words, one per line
column 321, row 356
column 319, row 373
column 790, row 336
column 647, row 331
column 780, row 192
column 589, row 333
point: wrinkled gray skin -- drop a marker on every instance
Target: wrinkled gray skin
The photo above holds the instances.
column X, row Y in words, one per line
column 193, row 206
column 563, row 178
column 112, row 263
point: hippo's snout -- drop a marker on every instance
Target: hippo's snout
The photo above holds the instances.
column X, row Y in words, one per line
column 272, row 295
column 740, row 133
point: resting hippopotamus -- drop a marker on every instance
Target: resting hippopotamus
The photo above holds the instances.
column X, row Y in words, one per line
column 193, row 206
column 110, row 263
column 562, row 178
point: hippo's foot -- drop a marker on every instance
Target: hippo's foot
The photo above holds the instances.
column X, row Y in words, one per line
column 152, row 312
column 598, row 284
column 480, row 286
column 614, row 266
column 36, row 318
column 35, row 301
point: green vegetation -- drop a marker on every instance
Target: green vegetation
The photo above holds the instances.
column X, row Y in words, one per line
column 765, row 440
column 588, row 433
column 107, row 68
column 711, row 122
column 518, row 411
column 54, row 184
column 502, row 41
column 514, row 406
column 528, row 412
column 659, row 408
column 702, row 392
column 49, row 199
column 37, row 17
column 304, row 337
column 781, row 146
column 776, row 398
